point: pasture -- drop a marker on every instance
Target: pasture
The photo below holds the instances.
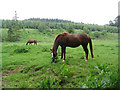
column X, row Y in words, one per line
column 30, row 66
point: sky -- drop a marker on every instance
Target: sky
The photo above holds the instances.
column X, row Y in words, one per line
column 87, row 11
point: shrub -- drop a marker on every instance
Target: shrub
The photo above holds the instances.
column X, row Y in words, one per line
column 70, row 29
column 86, row 30
column 45, row 49
column 104, row 33
column 96, row 34
column 20, row 50
column 43, row 28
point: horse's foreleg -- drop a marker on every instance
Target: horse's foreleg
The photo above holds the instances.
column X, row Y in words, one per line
column 61, row 52
column 64, row 51
column 86, row 52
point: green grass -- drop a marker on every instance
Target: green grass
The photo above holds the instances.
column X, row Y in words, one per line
column 30, row 66
column 36, row 66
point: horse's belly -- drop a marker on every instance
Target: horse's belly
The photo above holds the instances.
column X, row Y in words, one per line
column 73, row 45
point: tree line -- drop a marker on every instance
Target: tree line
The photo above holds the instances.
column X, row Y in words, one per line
column 36, row 23
column 46, row 25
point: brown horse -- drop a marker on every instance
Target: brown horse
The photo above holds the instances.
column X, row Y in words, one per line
column 71, row 40
column 31, row 41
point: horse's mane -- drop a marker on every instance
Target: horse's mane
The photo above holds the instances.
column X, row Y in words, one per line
column 62, row 34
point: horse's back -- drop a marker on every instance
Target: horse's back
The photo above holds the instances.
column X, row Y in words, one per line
column 84, row 38
column 32, row 41
column 73, row 40
column 77, row 35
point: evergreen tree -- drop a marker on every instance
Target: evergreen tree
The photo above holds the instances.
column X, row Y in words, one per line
column 13, row 32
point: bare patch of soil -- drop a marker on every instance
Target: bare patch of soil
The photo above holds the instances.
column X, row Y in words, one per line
column 13, row 71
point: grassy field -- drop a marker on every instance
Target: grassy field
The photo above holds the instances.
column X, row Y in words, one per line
column 30, row 66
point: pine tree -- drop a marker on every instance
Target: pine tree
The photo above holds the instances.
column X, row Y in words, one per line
column 13, row 32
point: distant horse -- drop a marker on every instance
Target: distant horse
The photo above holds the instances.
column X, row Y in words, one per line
column 31, row 41
column 71, row 40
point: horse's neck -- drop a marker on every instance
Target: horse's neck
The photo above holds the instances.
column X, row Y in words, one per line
column 27, row 43
column 55, row 46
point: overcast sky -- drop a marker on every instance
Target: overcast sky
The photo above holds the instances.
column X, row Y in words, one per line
column 86, row 11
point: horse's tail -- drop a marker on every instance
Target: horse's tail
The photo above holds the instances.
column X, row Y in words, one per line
column 91, row 49
column 36, row 42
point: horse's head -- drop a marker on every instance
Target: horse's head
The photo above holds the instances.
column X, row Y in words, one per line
column 53, row 53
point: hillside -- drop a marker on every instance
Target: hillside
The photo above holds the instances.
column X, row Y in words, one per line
column 31, row 66
column 16, row 30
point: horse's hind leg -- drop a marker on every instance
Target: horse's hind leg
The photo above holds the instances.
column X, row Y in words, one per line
column 86, row 52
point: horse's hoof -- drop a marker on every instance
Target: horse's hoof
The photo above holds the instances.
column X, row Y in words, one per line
column 86, row 60
column 63, row 61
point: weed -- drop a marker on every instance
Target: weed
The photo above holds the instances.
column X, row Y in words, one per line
column 48, row 82
column 45, row 49
column 100, row 77
column 64, row 73
column 21, row 50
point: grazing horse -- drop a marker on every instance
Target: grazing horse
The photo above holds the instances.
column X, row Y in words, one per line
column 71, row 40
column 31, row 41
